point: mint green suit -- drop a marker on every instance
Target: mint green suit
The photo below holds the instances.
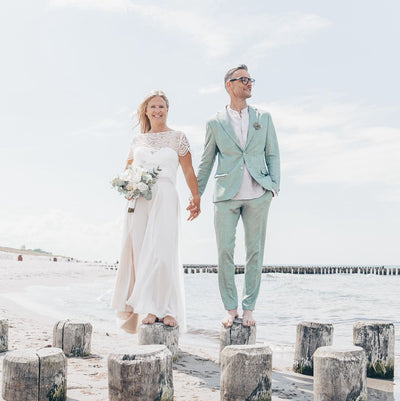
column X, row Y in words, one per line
column 261, row 155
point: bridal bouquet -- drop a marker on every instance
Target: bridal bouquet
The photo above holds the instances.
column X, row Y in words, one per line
column 136, row 181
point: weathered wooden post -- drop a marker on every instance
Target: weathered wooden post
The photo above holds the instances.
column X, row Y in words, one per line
column 35, row 375
column 142, row 373
column 246, row 373
column 340, row 374
column 310, row 336
column 237, row 334
column 3, row 335
column 159, row 333
column 377, row 339
column 73, row 337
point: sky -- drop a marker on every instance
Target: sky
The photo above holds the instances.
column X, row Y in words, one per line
column 73, row 72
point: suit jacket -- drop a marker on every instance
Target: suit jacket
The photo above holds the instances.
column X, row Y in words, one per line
column 261, row 154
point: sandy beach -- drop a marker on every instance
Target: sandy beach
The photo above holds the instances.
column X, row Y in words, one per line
column 196, row 372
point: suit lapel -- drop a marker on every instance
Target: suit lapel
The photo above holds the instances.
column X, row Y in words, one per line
column 252, row 119
column 223, row 119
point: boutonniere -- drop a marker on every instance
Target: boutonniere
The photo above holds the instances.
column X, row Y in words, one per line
column 257, row 125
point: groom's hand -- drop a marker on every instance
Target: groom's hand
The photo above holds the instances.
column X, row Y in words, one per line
column 193, row 208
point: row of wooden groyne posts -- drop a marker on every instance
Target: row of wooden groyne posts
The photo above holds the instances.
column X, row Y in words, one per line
column 145, row 371
column 240, row 269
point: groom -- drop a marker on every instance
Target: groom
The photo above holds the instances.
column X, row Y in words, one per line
column 244, row 141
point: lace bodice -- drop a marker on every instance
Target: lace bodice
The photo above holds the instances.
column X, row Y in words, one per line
column 161, row 150
column 176, row 140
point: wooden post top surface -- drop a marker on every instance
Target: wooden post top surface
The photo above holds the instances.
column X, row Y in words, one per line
column 140, row 352
column 247, row 348
column 332, row 351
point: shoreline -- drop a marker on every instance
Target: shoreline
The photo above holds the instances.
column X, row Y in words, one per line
column 196, row 372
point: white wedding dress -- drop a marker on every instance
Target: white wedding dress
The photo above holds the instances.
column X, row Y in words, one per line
column 150, row 276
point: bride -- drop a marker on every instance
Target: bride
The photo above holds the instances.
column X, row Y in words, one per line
column 150, row 277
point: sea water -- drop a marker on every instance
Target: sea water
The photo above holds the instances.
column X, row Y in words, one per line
column 283, row 302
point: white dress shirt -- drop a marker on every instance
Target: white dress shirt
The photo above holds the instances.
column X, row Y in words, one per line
column 249, row 189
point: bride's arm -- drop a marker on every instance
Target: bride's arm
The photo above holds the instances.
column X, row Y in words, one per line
column 191, row 180
column 129, row 159
column 128, row 163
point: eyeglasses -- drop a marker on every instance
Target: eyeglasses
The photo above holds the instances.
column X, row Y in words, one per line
column 244, row 80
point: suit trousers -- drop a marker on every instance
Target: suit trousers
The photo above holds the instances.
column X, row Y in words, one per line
column 254, row 214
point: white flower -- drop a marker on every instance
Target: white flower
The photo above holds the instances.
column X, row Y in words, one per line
column 142, row 187
column 125, row 175
column 136, row 181
column 136, row 174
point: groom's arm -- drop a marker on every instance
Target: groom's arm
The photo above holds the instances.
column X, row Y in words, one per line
column 207, row 159
column 272, row 154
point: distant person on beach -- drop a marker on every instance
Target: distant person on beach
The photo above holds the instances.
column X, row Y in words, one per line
column 247, row 178
column 150, row 280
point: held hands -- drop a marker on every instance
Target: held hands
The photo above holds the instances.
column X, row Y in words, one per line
column 194, row 207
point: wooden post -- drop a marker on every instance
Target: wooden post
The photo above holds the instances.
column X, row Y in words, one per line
column 377, row 339
column 340, row 374
column 35, row 375
column 159, row 333
column 53, row 374
column 73, row 337
column 237, row 334
column 246, row 373
column 142, row 373
column 3, row 335
column 310, row 336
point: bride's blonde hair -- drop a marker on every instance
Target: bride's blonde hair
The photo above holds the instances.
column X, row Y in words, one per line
column 144, row 121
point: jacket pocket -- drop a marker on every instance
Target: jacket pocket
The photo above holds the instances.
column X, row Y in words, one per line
column 264, row 170
column 220, row 175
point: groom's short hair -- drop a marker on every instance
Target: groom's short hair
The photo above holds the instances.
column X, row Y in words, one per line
column 230, row 73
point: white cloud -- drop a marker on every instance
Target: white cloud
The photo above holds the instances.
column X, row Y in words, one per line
column 103, row 128
column 220, row 33
column 325, row 140
column 110, row 126
column 106, row 5
column 211, row 90
column 61, row 232
column 390, row 195
column 195, row 134
column 286, row 30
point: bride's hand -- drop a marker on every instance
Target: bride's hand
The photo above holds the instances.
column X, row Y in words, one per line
column 193, row 214
column 194, row 208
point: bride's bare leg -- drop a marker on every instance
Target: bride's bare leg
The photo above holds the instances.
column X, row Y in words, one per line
column 230, row 317
column 149, row 319
column 170, row 321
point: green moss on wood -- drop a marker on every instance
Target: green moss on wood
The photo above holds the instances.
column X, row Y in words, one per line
column 166, row 394
column 262, row 392
column 361, row 398
column 57, row 393
column 303, row 369
column 78, row 352
column 3, row 344
column 380, row 370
